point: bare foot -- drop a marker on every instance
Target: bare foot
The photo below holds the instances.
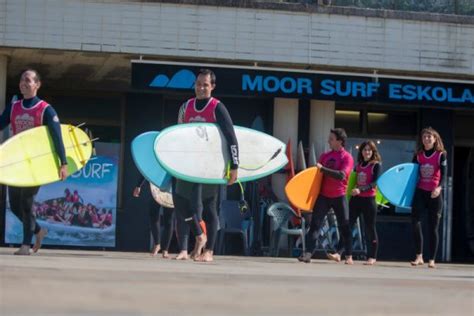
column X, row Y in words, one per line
column 39, row 239
column 431, row 264
column 206, row 256
column 165, row 254
column 334, row 256
column 23, row 251
column 195, row 253
column 155, row 250
column 418, row 261
column 306, row 257
column 349, row 260
column 199, row 245
column 183, row 255
column 370, row 262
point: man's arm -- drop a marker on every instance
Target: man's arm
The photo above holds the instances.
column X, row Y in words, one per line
column 227, row 127
column 338, row 174
column 50, row 118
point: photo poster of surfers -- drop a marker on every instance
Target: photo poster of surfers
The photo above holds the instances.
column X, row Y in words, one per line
column 80, row 211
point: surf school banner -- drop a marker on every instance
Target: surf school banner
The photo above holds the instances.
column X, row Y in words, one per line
column 248, row 81
column 80, row 211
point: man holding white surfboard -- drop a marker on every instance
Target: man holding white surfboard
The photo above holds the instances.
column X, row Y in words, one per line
column 22, row 115
column 190, row 196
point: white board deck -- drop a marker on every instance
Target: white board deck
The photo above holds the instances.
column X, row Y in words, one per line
column 197, row 152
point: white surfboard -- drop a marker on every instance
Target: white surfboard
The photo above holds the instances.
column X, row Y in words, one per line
column 197, row 152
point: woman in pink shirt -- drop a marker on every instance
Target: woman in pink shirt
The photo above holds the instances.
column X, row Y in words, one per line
column 431, row 157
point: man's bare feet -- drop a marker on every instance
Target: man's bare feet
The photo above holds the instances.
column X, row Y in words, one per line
column 334, row 256
column 183, row 255
column 199, row 245
column 165, row 254
column 155, row 250
column 194, row 253
column 39, row 239
column 431, row 264
column 370, row 262
column 206, row 256
column 349, row 260
column 418, row 261
column 23, row 251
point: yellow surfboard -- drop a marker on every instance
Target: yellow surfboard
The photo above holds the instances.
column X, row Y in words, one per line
column 30, row 159
column 303, row 189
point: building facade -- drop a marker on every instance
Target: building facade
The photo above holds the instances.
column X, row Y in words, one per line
column 125, row 67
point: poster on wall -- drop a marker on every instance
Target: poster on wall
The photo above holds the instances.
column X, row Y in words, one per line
column 80, row 211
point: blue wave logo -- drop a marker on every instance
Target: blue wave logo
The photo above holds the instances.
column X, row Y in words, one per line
column 183, row 79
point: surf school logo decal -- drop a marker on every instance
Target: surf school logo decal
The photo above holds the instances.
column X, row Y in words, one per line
column 427, row 171
column 24, row 122
column 331, row 163
column 183, row 79
column 197, row 118
column 362, row 178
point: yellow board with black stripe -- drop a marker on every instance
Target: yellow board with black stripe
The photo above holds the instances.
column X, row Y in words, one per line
column 30, row 159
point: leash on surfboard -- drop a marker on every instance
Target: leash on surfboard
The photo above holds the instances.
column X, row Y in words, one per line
column 243, row 205
column 253, row 168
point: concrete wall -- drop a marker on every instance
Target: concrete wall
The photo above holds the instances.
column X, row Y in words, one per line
column 244, row 34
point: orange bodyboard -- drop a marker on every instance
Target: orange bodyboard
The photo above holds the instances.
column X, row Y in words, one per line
column 303, row 190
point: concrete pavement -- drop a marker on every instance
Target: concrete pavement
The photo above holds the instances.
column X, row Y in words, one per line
column 66, row 282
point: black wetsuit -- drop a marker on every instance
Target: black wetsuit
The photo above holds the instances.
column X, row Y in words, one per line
column 21, row 199
column 155, row 223
column 325, row 203
column 368, row 208
column 422, row 201
column 191, row 198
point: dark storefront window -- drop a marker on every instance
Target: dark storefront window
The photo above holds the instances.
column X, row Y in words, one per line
column 391, row 123
column 350, row 120
column 101, row 115
column 463, row 126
